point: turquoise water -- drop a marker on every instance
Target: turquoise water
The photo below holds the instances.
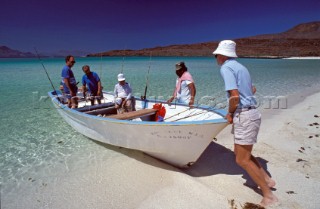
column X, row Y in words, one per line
column 35, row 140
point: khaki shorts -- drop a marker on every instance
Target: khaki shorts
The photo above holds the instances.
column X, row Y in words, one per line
column 246, row 125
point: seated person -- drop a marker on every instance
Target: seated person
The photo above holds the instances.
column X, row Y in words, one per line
column 124, row 101
column 91, row 81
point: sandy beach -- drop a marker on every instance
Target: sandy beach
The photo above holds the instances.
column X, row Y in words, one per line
column 288, row 147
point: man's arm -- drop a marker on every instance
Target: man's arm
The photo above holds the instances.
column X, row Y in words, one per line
column 129, row 92
column 67, row 82
column 99, row 89
column 192, row 89
column 233, row 104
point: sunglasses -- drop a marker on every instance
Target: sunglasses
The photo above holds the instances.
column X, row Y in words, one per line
column 73, row 62
column 216, row 56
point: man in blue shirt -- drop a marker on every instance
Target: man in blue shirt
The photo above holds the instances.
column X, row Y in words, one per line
column 69, row 82
column 92, row 81
column 244, row 116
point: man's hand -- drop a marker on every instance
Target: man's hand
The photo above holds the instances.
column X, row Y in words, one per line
column 229, row 118
column 191, row 102
column 170, row 100
column 123, row 103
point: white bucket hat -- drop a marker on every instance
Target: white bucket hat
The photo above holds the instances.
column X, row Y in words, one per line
column 121, row 77
column 226, row 48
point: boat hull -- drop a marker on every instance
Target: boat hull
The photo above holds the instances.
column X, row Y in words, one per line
column 178, row 143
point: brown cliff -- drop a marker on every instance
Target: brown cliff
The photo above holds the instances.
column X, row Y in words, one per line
column 300, row 41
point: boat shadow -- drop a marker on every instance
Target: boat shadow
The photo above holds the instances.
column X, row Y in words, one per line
column 217, row 159
column 139, row 156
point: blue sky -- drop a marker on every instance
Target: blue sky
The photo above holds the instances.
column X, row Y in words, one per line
column 102, row 25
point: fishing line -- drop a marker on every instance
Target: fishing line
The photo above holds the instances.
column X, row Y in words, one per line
column 100, row 66
column 188, row 116
column 54, row 90
column 123, row 55
column 144, row 97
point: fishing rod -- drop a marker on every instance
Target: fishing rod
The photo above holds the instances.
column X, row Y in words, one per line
column 54, row 90
column 188, row 116
column 123, row 55
column 177, row 113
column 100, row 65
column 144, row 97
column 101, row 95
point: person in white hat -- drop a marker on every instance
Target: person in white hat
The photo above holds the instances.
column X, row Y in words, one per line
column 244, row 116
column 123, row 95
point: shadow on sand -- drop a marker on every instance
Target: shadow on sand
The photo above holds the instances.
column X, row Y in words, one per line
column 216, row 159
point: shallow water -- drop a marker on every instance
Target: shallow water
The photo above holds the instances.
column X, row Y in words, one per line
column 35, row 141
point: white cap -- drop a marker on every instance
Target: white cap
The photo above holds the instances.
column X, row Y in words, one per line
column 121, row 77
column 226, row 48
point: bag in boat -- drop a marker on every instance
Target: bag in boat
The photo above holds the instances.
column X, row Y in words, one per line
column 160, row 113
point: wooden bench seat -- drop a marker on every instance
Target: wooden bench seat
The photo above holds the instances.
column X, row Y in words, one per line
column 103, row 111
column 95, row 107
column 134, row 114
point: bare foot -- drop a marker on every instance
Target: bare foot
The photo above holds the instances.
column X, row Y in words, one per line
column 268, row 201
column 271, row 183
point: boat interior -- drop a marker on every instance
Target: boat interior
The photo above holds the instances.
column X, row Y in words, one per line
column 108, row 110
column 173, row 113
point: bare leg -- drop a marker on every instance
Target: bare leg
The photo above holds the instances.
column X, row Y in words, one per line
column 74, row 102
column 69, row 103
column 99, row 100
column 119, row 109
column 244, row 159
column 128, row 106
column 271, row 183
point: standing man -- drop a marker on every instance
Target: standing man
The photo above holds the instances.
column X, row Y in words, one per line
column 69, row 82
column 124, row 101
column 92, row 81
column 185, row 90
column 244, row 116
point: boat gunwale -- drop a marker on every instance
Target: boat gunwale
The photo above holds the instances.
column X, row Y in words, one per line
column 220, row 112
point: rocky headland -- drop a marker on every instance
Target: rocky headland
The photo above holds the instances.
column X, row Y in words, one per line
column 302, row 40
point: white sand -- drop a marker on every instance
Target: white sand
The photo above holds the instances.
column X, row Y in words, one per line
column 303, row 58
column 131, row 179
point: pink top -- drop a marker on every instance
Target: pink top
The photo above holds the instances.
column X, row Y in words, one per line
column 185, row 76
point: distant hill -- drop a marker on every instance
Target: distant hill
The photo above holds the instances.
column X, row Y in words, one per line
column 6, row 52
column 301, row 40
column 63, row 53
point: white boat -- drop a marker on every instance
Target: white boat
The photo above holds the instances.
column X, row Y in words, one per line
column 179, row 140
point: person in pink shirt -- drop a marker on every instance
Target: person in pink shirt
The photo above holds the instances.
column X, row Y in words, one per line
column 185, row 90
